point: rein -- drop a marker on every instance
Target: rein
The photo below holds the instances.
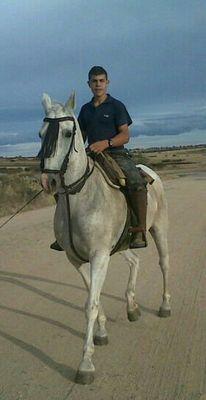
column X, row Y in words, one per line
column 77, row 186
column 20, row 209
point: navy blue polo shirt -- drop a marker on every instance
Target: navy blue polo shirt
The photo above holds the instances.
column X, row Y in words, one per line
column 102, row 122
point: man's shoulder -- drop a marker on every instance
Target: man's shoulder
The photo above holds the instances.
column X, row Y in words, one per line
column 116, row 102
column 120, row 111
column 85, row 106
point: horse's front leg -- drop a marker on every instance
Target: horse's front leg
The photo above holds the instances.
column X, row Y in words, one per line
column 100, row 337
column 99, row 264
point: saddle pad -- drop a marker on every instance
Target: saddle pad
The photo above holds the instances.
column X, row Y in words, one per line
column 114, row 172
column 110, row 167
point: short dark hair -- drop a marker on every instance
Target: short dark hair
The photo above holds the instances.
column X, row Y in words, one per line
column 97, row 70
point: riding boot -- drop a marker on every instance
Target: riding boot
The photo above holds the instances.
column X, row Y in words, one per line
column 55, row 245
column 138, row 202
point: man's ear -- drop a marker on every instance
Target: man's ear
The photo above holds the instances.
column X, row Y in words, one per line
column 71, row 103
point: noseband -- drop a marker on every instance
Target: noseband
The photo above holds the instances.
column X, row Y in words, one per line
column 50, row 140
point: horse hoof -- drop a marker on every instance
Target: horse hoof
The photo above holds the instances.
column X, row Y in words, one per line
column 84, row 377
column 133, row 315
column 101, row 340
column 164, row 313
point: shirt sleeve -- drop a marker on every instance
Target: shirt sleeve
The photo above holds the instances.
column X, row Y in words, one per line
column 122, row 116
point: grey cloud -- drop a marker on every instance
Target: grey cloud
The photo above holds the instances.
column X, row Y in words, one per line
column 148, row 47
column 166, row 124
column 169, row 124
column 154, row 52
column 19, row 125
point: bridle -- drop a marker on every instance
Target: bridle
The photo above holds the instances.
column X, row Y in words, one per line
column 48, row 148
column 53, row 131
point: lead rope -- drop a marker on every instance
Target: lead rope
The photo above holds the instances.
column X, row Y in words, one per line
column 17, row 212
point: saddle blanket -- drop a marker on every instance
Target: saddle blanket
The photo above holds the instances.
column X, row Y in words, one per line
column 114, row 173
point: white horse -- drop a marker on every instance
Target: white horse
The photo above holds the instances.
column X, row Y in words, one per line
column 90, row 219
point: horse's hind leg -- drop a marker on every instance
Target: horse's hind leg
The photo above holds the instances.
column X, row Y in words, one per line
column 159, row 234
column 101, row 337
column 133, row 311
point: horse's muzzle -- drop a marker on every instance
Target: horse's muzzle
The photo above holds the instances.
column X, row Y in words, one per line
column 50, row 182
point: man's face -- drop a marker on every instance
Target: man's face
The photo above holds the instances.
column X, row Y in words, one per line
column 98, row 85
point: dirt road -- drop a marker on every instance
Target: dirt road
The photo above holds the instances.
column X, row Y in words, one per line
column 42, row 313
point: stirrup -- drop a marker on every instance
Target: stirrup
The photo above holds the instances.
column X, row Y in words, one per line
column 56, row 246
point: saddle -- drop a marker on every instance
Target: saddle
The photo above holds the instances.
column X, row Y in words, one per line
column 114, row 173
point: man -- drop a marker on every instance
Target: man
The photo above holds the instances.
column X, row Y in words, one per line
column 104, row 122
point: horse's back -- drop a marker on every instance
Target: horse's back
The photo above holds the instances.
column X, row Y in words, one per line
column 149, row 171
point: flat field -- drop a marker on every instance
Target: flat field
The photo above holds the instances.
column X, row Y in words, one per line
column 20, row 176
column 174, row 162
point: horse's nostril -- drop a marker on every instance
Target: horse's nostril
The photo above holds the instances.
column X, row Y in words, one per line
column 53, row 182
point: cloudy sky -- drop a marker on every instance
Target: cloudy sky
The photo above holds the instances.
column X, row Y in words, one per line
column 154, row 51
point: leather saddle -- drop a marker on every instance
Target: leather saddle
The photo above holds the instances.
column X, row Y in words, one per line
column 112, row 170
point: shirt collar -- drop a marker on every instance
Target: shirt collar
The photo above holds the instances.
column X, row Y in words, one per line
column 107, row 100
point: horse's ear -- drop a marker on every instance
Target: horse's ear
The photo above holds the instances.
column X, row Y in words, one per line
column 71, row 103
column 46, row 102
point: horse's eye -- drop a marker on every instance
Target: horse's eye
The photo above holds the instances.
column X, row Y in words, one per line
column 68, row 134
column 40, row 135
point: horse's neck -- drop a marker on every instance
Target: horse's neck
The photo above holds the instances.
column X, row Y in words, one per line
column 77, row 162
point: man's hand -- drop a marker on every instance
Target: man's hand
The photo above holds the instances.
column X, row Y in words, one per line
column 100, row 146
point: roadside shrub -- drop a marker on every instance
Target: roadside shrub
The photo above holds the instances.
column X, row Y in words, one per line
column 17, row 189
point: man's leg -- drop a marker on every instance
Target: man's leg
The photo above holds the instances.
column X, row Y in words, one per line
column 138, row 202
column 136, row 195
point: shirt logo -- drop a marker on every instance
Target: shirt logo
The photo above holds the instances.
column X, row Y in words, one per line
column 106, row 115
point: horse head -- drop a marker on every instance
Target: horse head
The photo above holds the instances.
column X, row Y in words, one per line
column 57, row 136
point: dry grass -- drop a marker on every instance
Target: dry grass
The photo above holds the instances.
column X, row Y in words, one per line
column 19, row 182
column 175, row 162
column 20, row 177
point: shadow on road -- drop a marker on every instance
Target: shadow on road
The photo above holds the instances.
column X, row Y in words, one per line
column 65, row 371
column 5, row 276
column 41, row 293
column 40, row 279
column 50, row 321
column 148, row 310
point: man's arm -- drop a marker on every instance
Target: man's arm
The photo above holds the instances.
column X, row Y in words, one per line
column 121, row 138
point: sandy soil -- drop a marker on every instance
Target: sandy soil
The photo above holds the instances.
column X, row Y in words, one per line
column 42, row 313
